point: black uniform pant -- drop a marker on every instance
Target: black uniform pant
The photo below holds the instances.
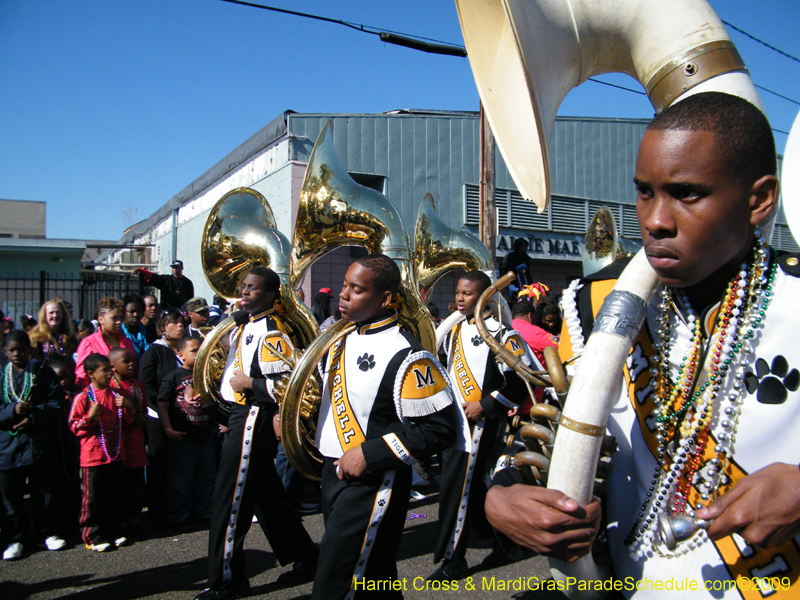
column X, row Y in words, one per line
column 455, row 465
column 364, row 523
column 250, row 445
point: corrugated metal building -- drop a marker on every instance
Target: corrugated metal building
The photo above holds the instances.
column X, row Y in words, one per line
column 406, row 154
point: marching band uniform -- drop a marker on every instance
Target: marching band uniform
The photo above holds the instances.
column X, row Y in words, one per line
column 465, row 475
column 247, row 481
column 766, row 432
column 383, row 393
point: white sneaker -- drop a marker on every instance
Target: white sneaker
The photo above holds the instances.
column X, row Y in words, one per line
column 13, row 552
column 54, row 543
column 99, row 547
column 121, row 541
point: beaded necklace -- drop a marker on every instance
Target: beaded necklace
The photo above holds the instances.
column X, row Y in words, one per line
column 91, row 395
column 49, row 348
column 684, row 410
column 134, row 391
column 10, row 393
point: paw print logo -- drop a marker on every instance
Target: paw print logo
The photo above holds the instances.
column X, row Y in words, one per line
column 381, row 502
column 366, row 362
column 476, row 340
column 772, row 383
column 248, row 339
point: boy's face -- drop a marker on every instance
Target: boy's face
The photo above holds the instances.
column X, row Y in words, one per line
column 188, row 353
column 150, row 307
column 18, row 354
column 467, row 295
column 199, row 319
column 359, row 300
column 133, row 314
column 102, row 375
column 125, row 364
column 62, row 374
column 696, row 216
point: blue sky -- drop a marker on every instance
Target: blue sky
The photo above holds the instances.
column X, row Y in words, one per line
column 111, row 107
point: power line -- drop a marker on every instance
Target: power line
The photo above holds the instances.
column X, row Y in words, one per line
column 762, row 42
column 433, row 46
column 761, row 87
column 417, row 42
column 619, row 87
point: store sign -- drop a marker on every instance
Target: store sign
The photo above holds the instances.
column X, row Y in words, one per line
column 548, row 248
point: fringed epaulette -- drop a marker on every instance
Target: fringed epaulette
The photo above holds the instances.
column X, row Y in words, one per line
column 513, row 342
column 421, row 387
column 270, row 348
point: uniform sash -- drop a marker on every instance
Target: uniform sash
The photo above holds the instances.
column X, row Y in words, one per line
column 746, row 564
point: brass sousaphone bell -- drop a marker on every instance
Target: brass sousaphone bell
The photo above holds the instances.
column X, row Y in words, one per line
column 241, row 233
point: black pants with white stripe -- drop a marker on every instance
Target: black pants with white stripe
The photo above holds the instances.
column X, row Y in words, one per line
column 454, row 474
column 349, row 510
column 263, row 493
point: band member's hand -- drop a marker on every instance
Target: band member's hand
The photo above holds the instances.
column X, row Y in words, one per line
column 351, row 465
column 22, row 425
column 241, row 382
column 546, row 521
column 175, row 436
column 23, row 409
column 473, row 410
column 276, row 425
column 764, row 507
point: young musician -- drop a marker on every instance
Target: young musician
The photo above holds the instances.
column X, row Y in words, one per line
column 707, row 415
column 247, row 481
column 386, row 404
column 473, row 368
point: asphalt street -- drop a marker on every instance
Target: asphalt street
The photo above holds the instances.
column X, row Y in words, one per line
column 162, row 564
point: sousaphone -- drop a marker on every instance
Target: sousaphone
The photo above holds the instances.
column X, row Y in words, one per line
column 241, row 233
column 526, row 55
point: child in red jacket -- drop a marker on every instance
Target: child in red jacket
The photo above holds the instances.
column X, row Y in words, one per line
column 98, row 418
column 124, row 382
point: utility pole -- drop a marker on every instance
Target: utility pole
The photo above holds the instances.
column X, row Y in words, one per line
column 487, row 221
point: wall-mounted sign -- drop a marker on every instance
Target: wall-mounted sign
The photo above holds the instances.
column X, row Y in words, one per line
column 549, row 247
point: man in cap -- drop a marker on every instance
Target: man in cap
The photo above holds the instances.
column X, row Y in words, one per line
column 176, row 289
column 197, row 309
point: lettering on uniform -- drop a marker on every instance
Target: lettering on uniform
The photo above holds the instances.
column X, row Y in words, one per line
column 276, row 346
column 514, row 344
column 399, row 450
column 637, row 361
column 464, row 380
column 424, row 380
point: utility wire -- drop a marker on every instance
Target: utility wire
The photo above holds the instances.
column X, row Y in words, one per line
column 439, row 47
column 619, row 87
column 392, row 37
column 761, row 87
column 762, row 42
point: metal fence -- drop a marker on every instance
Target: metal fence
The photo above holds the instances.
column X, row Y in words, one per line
column 25, row 293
